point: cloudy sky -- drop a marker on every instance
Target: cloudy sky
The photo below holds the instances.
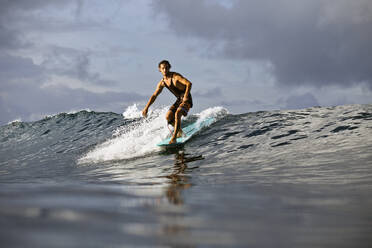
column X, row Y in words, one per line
column 245, row 55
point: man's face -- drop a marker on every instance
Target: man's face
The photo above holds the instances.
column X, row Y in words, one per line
column 163, row 69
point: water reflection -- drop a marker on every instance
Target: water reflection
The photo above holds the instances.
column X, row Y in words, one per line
column 176, row 224
column 179, row 178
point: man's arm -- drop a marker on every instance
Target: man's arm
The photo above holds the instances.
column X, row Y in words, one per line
column 158, row 90
column 187, row 84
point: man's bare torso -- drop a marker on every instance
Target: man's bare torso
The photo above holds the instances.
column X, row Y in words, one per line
column 173, row 80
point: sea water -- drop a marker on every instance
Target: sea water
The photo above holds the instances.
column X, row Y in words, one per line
column 289, row 178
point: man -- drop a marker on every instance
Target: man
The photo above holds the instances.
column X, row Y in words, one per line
column 180, row 87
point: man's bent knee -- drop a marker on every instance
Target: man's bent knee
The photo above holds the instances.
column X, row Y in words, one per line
column 170, row 117
column 179, row 113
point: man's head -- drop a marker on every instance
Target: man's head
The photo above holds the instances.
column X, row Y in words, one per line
column 164, row 67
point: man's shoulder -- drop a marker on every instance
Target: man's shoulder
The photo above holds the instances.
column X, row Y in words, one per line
column 176, row 74
column 161, row 83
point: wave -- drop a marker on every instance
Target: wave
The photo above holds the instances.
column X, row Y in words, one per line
column 323, row 144
column 140, row 137
column 291, row 166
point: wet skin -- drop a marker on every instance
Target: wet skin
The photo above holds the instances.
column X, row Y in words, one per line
column 182, row 84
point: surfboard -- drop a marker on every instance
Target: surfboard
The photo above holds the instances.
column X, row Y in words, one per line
column 188, row 132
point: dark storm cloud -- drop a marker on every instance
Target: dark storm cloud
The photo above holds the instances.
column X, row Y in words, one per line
column 17, row 18
column 212, row 93
column 242, row 103
column 25, row 5
column 11, row 37
column 13, row 67
column 26, row 101
column 23, row 93
column 316, row 42
column 73, row 63
column 300, row 101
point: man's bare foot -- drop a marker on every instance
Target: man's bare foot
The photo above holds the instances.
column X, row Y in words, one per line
column 180, row 133
column 173, row 140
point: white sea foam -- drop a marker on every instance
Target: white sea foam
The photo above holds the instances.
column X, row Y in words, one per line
column 132, row 140
column 132, row 112
column 18, row 120
column 74, row 111
column 140, row 137
column 216, row 112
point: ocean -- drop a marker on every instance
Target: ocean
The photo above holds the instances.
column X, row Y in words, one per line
column 285, row 178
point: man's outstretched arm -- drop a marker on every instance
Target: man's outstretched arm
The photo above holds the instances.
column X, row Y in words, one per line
column 158, row 90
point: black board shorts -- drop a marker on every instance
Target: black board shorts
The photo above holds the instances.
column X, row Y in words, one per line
column 184, row 107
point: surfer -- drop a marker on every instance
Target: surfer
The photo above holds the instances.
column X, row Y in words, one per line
column 180, row 87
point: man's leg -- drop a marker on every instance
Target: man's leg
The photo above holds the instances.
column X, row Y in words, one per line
column 172, row 112
column 170, row 117
column 181, row 110
column 177, row 125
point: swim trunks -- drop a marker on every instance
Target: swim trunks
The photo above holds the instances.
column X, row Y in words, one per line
column 184, row 107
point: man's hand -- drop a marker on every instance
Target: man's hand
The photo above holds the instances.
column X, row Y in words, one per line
column 144, row 112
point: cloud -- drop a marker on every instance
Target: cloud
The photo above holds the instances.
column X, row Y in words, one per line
column 39, row 76
column 73, row 63
column 12, row 12
column 24, row 95
column 241, row 102
column 20, row 20
column 299, row 101
column 33, row 101
column 15, row 67
column 9, row 39
column 318, row 43
column 211, row 93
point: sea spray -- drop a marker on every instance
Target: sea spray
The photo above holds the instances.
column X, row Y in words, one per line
column 216, row 112
column 132, row 112
column 136, row 139
column 139, row 138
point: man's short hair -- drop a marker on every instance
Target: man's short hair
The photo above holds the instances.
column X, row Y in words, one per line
column 166, row 63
